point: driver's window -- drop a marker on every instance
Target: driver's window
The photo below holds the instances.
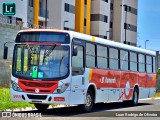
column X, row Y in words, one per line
column 77, row 61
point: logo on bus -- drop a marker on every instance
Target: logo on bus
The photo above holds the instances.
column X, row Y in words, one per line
column 107, row 80
column 36, row 90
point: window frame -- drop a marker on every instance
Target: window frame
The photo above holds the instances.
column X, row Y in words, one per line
column 95, row 57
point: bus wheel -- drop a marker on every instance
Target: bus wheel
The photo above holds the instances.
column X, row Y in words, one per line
column 41, row 107
column 135, row 97
column 89, row 101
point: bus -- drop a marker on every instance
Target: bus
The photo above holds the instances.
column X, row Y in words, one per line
column 69, row 68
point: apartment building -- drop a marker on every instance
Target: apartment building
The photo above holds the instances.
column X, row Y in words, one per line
column 125, row 21
column 109, row 19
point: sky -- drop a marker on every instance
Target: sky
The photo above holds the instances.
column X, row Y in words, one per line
column 149, row 24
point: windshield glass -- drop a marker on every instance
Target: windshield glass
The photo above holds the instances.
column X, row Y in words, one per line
column 41, row 62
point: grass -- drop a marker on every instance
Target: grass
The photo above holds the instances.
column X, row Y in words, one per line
column 156, row 95
column 5, row 102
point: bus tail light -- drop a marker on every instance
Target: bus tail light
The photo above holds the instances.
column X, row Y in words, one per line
column 15, row 86
column 61, row 88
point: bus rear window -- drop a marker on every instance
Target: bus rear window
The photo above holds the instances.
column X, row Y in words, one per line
column 43, row 37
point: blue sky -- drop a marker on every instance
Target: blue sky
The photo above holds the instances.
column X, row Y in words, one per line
column 149, row 24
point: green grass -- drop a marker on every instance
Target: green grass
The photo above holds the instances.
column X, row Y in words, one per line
column 156, row 95
column 5, row 102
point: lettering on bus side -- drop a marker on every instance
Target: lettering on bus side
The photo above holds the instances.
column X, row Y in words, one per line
column 107, row 80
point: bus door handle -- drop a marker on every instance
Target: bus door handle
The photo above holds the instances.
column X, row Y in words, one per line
column 83, row 80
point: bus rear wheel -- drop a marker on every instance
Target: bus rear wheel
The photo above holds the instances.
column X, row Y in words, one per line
column 41, row 107
column 135, row 97
column 87, row 107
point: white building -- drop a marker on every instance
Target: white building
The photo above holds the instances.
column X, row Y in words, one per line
column 110, row 19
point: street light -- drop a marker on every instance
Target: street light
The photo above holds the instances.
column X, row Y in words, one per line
column 145, row 43
column 64, row 23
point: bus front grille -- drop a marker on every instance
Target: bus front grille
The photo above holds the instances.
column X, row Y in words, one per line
column 37, row 97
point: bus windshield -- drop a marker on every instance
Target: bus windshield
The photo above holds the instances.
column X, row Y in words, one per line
column 41, row 61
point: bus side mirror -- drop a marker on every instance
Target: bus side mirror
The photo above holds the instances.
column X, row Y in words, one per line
column 75, row 51
column 5, row 53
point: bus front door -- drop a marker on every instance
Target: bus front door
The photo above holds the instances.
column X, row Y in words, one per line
column 78, row 80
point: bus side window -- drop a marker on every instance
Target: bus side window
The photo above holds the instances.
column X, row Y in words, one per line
column 77, row 61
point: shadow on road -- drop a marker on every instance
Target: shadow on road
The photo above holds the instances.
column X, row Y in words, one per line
column 98, row 110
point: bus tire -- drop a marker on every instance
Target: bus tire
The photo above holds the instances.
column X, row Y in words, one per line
column 41, row 107
column 87, row 107
column 135, row 97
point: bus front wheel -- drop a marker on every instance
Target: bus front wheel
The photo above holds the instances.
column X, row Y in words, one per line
column 89, row 102
column 41, row 107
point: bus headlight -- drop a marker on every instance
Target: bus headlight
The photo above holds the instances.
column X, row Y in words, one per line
column 61, row 88
column 15, row 86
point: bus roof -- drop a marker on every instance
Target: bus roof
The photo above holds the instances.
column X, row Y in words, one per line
column 97, row 40
column 113, row 43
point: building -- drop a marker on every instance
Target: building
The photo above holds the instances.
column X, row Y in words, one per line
column 125, row 21
column 110, row 19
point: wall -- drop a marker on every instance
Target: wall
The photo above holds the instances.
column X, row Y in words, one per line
column 7, row 33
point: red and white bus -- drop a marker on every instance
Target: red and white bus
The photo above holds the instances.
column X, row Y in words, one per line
column 70, row 68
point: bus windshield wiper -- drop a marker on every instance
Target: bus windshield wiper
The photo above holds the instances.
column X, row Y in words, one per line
column 29, row 48
column 47, row 53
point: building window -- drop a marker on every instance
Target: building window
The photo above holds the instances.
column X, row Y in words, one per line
column 130, row 27
column 69, row 8
column 85, row 2
column 65, row 28
column 85, row 22
column 111, row 6
column 105, row 37
column 105, row 1
column 66, row 8
column 99, row 17
column 129, row 8
column 105, row 19
column 111, row 24
column 31, row 3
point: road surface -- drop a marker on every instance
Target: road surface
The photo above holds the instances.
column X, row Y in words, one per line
column 147, row 108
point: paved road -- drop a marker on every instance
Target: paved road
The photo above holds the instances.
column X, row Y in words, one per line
column 152, row 107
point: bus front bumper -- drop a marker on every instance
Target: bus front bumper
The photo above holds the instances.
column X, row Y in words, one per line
column 62, row 98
